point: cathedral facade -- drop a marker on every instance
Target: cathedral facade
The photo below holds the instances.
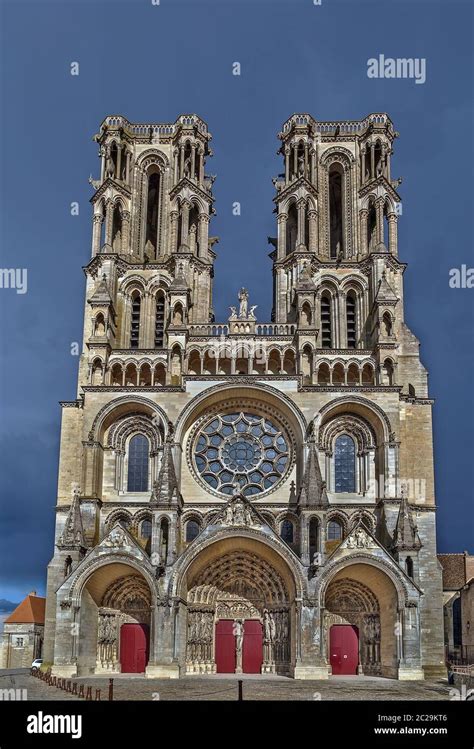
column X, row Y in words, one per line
column 246, row 496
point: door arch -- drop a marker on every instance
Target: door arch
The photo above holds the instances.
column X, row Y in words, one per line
column 246, row 584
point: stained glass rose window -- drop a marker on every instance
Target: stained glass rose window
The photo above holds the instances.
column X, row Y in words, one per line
column 242, row 448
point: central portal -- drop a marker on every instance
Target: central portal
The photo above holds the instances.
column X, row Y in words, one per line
column 239, row 646
column 238, row 613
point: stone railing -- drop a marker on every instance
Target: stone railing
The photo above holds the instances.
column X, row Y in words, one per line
column 157, row 128
column 261, row 329
column 345, row 126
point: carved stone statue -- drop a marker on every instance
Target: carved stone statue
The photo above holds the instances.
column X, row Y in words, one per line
column 244, row 302
column 109, row 164
column 252, row 311
column 233, row 313
column 239, row 636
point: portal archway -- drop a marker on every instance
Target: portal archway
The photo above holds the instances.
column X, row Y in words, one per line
column 240, row 597
column 364, row 597
column 115, row 621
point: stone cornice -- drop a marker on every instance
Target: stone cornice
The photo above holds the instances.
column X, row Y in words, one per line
column 132, row 388
column 416, row 401
column 78, row 403
column 120, row 187
column 295, row 185
column 193, row 186
column 351, row 388
column 383, row 182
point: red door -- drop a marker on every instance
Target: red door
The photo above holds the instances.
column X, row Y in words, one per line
column 134, row 639
column 252, row 648
column 225, row 646
column 344, row 648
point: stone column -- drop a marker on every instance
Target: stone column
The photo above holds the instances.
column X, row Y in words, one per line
column 185, row 208
column 281, row 221
column 287, row 165
column 193, row 161
column 362, row 156
column 96, row 232
column 393, row 233
column 127, row 167
column 304, row 540
column 301, row 222
column 201, row 167
column 379, row 210
column 174, row 217
column 313, row 230
column 109, row 212
column 363, row 214
column 181, row 162
column 125, row 232
column 203, row 235
column 119, row 162
column 372, row 160
column 295, row 162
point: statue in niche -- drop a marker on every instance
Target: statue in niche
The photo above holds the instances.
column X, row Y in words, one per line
column 178, row 315
column 99, row 326
column 67, row 566
column 301, row 166
column 187, row 166
column 109, row 164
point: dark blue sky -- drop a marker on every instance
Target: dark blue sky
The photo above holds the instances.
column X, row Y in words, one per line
column 152, row 63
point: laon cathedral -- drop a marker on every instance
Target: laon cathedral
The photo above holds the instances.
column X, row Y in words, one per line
column 246, row 496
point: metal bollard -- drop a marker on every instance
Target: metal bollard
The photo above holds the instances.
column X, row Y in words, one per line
column 89, row 693
column 240, row 698
column 97, row 694
column 81, row 690
column 111, row 689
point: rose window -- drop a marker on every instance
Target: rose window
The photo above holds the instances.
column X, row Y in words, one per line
column 241, row 448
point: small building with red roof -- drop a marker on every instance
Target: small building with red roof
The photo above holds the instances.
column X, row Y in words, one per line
column 23, row 633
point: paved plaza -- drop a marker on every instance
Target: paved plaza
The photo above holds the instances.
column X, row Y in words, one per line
column 222, row 687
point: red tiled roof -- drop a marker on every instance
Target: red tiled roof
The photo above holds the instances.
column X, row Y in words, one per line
column 29, row 611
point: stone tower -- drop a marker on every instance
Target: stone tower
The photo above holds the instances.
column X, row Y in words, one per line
column 244, row 482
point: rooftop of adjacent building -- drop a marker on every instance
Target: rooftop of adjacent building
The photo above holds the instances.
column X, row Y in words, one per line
column 458, row 569
column 30, row 611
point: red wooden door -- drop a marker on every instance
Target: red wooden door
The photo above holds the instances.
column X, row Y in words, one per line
column 134, row 639
column 252, row 648
column 225, row 646
column 344, row 648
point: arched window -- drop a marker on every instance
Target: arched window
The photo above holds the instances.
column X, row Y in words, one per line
column 135, row 320
column 387, row 324
column 334, row 531
column 351, row 320
column 138, row 457
column 152, row 213
column 145, row 529
column 344, row 464
column 409, row 566
column 291, row 228
column 287, row 531
column 192, row 530
column 336, row 223
column 371, row 226
column 313, row 537
column 326, row 322
column 164, row 539
column 159, row 320
column 117, row 229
